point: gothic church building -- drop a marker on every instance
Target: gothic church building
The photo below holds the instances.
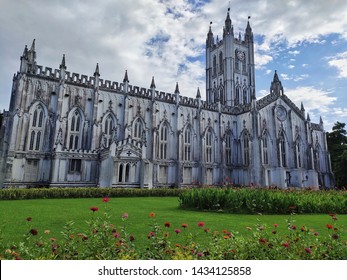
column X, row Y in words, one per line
column 64, row 129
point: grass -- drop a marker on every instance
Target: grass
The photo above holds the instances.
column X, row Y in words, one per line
column 52, row 214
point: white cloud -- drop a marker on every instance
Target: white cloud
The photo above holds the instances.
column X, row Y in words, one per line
column 340, row 62
column 315, row 100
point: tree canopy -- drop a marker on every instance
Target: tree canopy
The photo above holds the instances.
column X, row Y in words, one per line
column 337, row 145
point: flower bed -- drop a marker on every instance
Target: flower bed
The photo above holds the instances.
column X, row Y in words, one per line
column 105, row 239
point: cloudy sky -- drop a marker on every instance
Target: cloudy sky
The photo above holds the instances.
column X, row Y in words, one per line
column 305, row 41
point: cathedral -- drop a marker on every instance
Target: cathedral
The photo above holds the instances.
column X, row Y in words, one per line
column 65, row 129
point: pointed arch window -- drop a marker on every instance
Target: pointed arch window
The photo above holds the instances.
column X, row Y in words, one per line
column 108, row 131
column 163, row 141
column 221, row 68
column 75, row 131
column 228, row 140
column 244, row 96
column 209, row 147
column 282, row 151
column 37, row 129
column 214, row 70
column 137, row 130
column 297, row 154
column 237, row 96
column 246, row 152
column 265, row 149
column 187, row 142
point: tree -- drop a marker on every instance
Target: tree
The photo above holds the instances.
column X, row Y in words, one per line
column 337, row 145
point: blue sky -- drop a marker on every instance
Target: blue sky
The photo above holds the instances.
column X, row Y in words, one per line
column 305, row 41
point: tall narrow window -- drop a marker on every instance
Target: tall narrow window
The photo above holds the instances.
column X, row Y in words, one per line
column 127, row 172
column 75, row 131
column 120, row 173
column 163, row 142
column 237, row 96
column 137, row 130
column 282, row 151
column 228, row 149
column 108, row 131
column 209, row 147
column 221, row 62
column 245, row 142
column 37, row 129
column 214, row 66
column 297, row 154
column 187, row 145
column 265, row 150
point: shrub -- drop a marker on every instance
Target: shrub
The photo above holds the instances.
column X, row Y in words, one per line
column 247, row 200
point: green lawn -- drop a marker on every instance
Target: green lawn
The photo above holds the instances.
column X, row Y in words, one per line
column 52, row 214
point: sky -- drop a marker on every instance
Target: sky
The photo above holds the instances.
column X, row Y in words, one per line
column 305, row 41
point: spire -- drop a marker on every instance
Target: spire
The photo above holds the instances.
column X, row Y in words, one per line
column 276, row 79
column 97, row 73
column 63, row 65
column 308, row 117
column 276, row 85
column 126, row 77
column 228, row 25
column 210, row 38
column 177, row 91
column 25, row 52
column 198, row 95
column 302, row 107
column 248, row 33
column 152, row 83
column 320, row 120
column 33, row 45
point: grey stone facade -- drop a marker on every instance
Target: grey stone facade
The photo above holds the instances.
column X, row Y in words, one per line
column 66, row 129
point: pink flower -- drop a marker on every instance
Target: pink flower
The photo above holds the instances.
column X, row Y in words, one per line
column 201, row 224
column 200, row 254
column 177, row 230
column 125, row 216
column 105, row 199
column 116, row 234
column 308, row 250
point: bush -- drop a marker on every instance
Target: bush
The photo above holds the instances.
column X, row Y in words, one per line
column 254, row 201
column 16, row 193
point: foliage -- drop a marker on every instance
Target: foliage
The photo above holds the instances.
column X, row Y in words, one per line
column 107, row 241
column 247, row 200
column 35, row 193
column 337, row 145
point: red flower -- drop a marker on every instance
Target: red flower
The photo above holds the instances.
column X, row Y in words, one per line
column 34, row 231
column 316, row 234
column 184, row 225
column 131, row 238
column 29, row 219
column 150, row 235
column 167, row 224
column 292, row 207
column 262, row 240
column 293, row 227
column 286, row 245
column 308, row 250
column 201, row 224
column 275, row 225
column 105, row 199
column 152, row 214
column 329, row 226
column 200, row 254
column 94, row 209
column 335, row 236
column 177, row 230
column 116, row 234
